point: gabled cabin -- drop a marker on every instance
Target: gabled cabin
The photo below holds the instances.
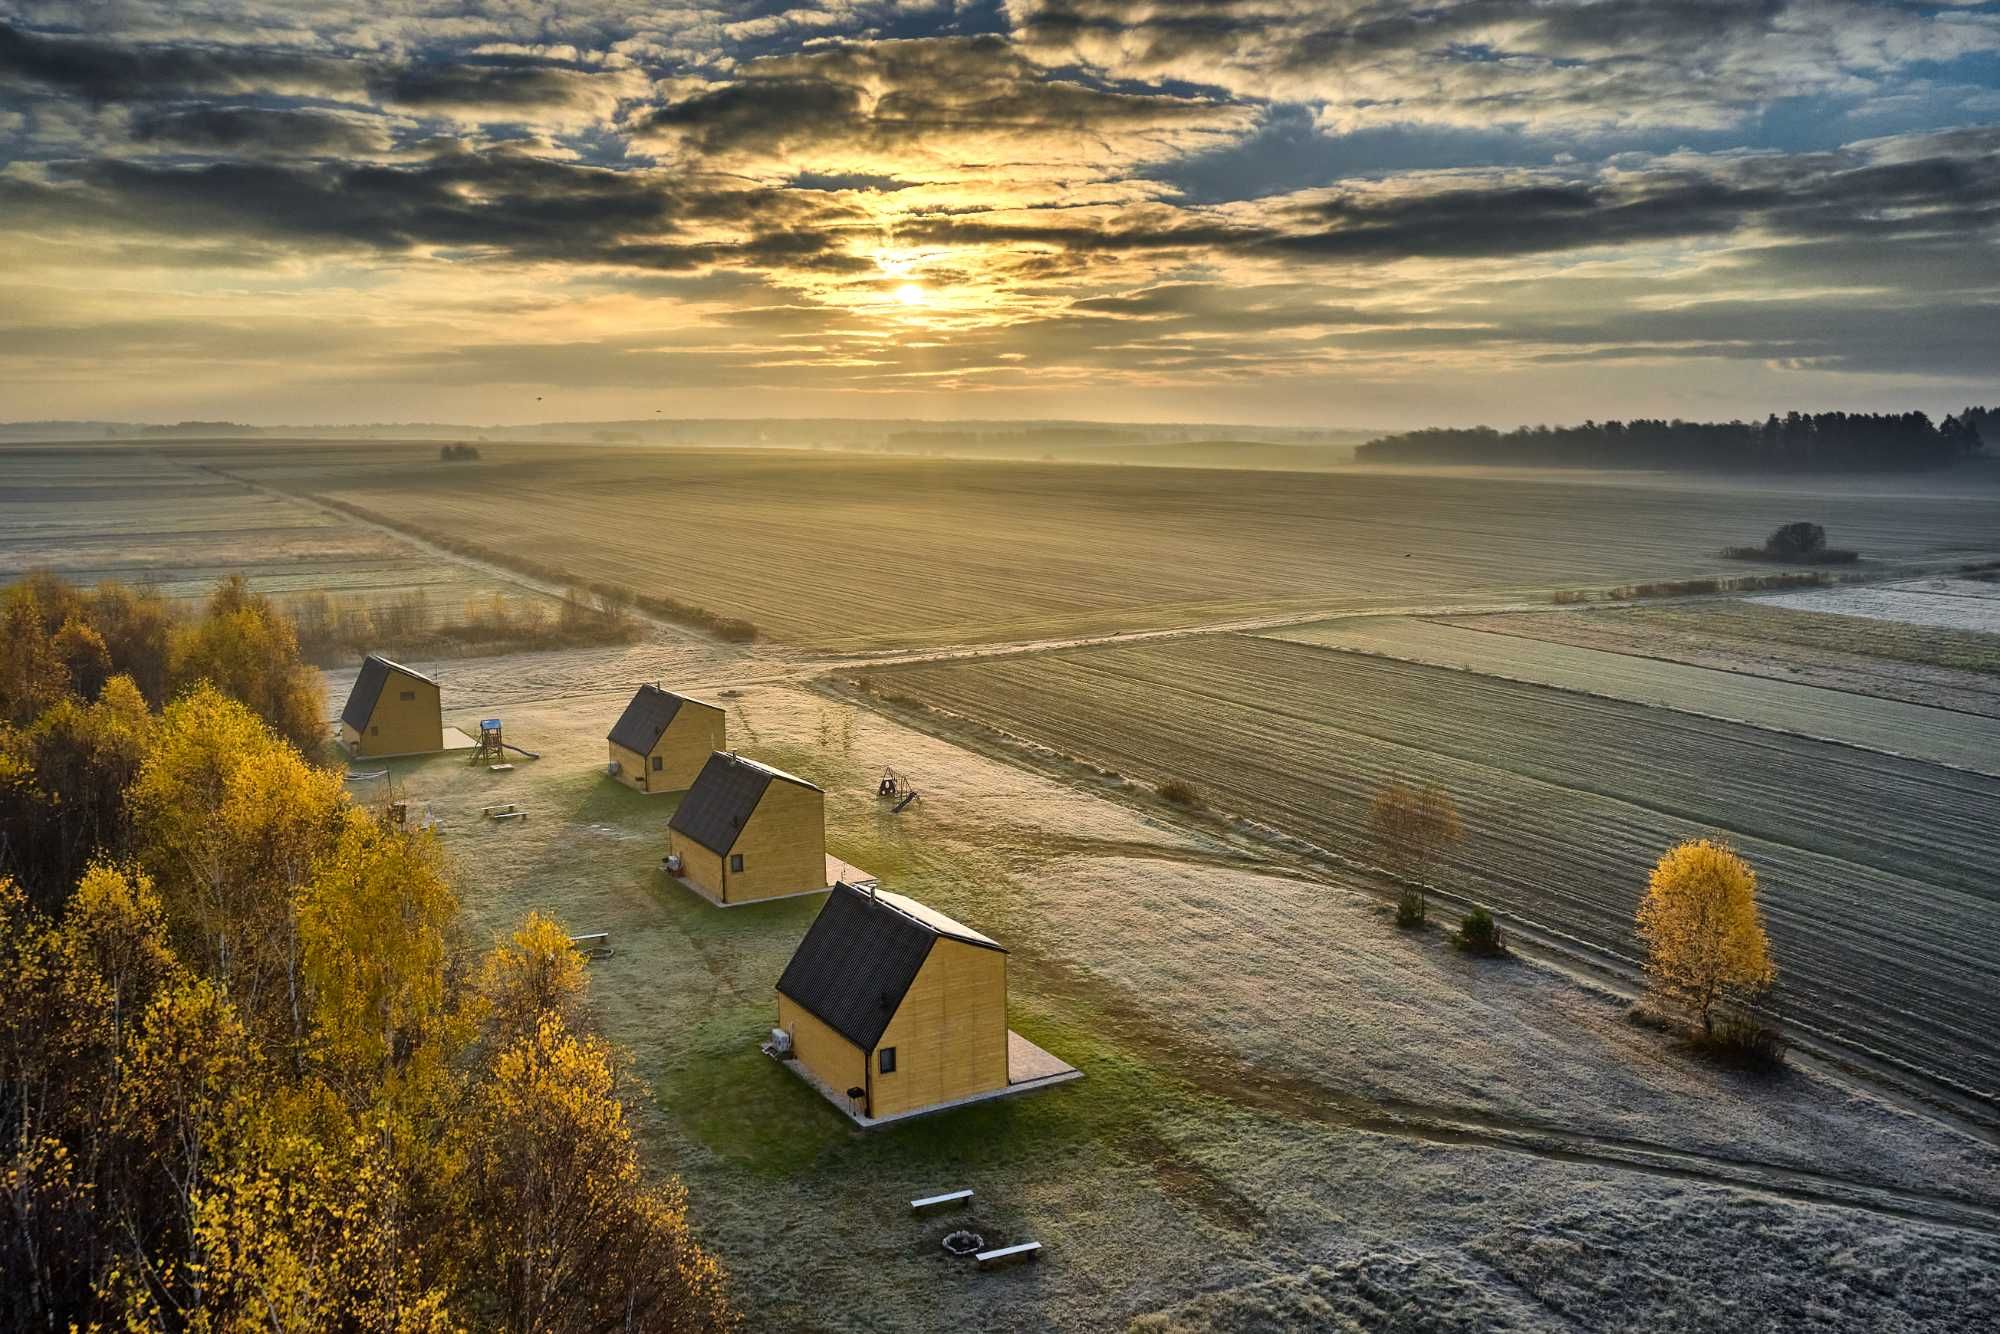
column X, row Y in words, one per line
column 661, row 741
column 897, row 1000
column 748, row 831
column 392, row 711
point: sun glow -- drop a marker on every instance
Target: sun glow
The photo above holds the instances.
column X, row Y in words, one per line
column 910, row 294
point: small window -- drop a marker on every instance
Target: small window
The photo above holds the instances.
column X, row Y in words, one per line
column 735, row 861
column 888, row 1061
column 409, row 694
column 374, row 731
column 659, row 763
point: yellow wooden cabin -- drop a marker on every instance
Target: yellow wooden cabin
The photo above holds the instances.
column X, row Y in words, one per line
column 897, row 1000
column 662, row 740
column 747, row 831
column 392, row 711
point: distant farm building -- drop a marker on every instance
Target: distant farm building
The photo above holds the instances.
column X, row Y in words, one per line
column 894, row 1008
column 392, row 711
column 662, row 740
column 747, row 831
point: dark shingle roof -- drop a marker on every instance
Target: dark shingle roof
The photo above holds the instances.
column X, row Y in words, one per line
column 639, row 727
column 859, row 958
column 367, row 690
column 856, row 964
column 726, row 790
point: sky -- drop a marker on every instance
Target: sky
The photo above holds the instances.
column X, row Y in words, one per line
column 1306, row 212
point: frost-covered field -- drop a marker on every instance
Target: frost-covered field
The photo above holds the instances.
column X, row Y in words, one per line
column 1954, row 604
column 93, row 513
column 1953, row 669
column 852, row 552
column 1880, row 874
column 1292, row 1114
column 1895, row 726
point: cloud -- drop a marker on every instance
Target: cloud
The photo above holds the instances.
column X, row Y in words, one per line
column 1551, row 66
column 1291, row 199
column 938, row 105
column 262, row 132
column 491, row 86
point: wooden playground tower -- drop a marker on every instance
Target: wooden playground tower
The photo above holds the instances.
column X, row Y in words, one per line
column 493, row 747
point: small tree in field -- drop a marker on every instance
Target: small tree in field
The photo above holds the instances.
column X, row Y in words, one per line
column 1796, row 541
column 1413, row 826
column 1704, row 935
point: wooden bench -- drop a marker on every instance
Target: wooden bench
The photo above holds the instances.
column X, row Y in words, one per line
column 595, row 945
column 1009, row 1255
column 949, row 1200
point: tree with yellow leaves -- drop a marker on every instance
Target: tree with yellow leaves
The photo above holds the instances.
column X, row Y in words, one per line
column 576, row 1236
column 1704, row 935
column 537, row 972
column 244, row 647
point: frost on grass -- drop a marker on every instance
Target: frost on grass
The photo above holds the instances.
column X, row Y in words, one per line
column 1310, row 978
column 1951, row 604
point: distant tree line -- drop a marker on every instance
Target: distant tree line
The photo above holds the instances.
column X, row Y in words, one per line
column 1798, row 441
column 458, row 453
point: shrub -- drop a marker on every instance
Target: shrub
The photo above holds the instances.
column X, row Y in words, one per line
column 1479, row 934
column 1743, row 1042
column 1411, row 909
column 1180, row 792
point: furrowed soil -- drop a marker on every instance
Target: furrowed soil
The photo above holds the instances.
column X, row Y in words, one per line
column 853, row 552
column 1288, row 1107
column 1885, row 931
column 1953, row 669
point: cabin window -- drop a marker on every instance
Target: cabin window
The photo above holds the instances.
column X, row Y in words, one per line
column 409, row 694
column 735, row 861
column 659, row 763
column 888, row 1061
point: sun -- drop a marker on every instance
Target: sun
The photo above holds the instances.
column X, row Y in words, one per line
column 910, row 294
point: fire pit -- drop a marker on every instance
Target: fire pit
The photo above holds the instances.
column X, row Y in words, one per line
column 962, row 1242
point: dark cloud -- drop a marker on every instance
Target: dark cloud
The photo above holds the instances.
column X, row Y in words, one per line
column 951, row 98
column 104, row 72
column 514, row 207
column 260, row 132
column 763, row 113
column 117, row 72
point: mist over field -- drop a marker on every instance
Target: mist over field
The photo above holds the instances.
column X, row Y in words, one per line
column 1017, row 665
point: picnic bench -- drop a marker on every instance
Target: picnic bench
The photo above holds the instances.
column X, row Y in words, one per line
column 1009, row 1255
column 948, row 1200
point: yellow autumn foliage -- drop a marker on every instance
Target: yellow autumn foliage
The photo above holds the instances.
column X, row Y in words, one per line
column 1703, row 932
column 536, row 972
column 248, row 1080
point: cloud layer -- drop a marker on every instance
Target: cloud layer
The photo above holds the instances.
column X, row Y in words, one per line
column 1305, row 210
